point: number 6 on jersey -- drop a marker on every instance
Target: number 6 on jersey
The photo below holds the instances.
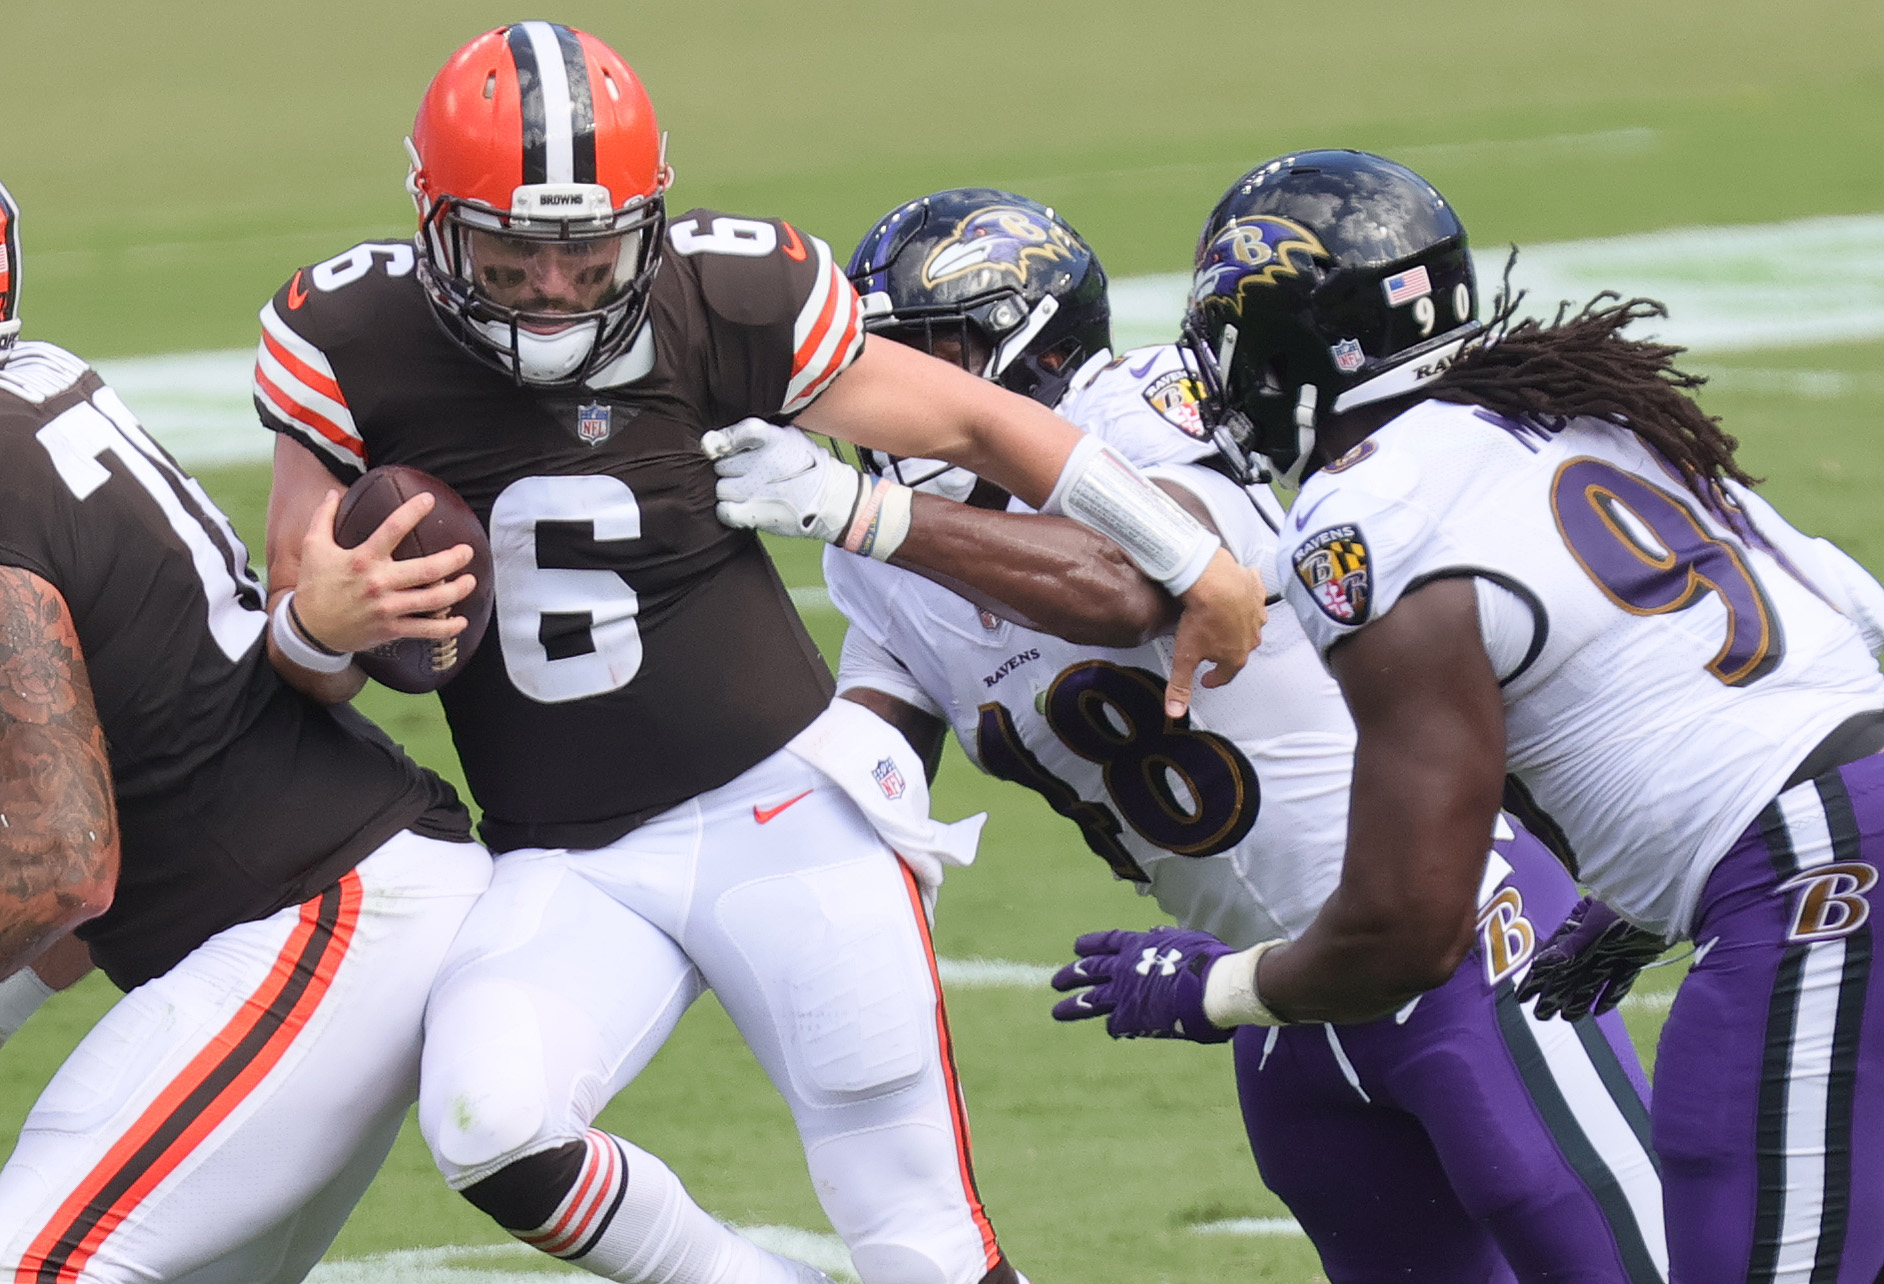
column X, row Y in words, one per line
column 567, row 623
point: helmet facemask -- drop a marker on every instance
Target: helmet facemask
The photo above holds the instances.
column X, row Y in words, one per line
column 547, row 299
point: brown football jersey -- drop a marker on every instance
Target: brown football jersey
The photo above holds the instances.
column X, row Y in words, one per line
column 641, row 652
column 236, row 794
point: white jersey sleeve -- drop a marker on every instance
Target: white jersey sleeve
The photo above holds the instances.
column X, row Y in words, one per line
column 1354, row 545
column 1144, row 404
column 867, row 664
column 1827, row 568
column 1665, row 661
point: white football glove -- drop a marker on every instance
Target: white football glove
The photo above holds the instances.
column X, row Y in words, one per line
column 776, row 479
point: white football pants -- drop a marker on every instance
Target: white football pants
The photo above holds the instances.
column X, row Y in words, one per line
column 774, row 891
column 219, row 1123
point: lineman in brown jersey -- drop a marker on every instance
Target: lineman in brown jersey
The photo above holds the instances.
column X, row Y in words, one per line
column 285, row 882
column 649, row 735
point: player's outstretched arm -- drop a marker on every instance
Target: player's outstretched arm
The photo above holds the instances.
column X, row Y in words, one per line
column 1047, row 573
column 347, row 599
column 59, row 842
column 904, row 402
column 1428, row 775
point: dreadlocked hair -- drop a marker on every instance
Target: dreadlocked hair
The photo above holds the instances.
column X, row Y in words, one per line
column 1580, row 365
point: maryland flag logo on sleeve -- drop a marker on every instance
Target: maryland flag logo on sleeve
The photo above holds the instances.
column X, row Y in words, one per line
column 1333, row 566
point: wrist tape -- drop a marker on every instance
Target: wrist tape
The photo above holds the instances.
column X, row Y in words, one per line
column 20, row 997
column 1099, row 489
column 1230, row 996
column 881, row 522
column 292, row 639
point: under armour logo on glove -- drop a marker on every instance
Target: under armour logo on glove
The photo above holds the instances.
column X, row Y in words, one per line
column 1589, row 963
column 1147, row 985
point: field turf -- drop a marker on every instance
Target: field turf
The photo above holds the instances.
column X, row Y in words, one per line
column 176, row 165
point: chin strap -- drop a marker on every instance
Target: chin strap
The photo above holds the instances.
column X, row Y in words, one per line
column 1305, row 404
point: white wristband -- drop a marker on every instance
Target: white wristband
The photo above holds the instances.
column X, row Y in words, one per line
column 1100, row 489
column 1230, row 996
column 20, row 997
column 881, row 522
column 297, row 648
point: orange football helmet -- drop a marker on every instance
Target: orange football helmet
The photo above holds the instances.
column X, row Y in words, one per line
column 9, row 271
column 539, row 175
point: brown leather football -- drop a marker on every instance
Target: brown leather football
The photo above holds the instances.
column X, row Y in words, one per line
column 420, row 664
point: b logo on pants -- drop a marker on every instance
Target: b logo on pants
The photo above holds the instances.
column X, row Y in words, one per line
column 1831, row 900
column 1507, row 937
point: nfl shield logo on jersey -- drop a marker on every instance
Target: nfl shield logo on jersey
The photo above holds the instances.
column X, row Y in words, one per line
column 1332, row 565
column 889, row 779
column 1348, row 356
column 593, row 424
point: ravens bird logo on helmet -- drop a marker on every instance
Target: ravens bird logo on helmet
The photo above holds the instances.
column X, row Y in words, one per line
column 1005, row 239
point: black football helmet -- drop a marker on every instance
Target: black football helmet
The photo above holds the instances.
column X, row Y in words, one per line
column 997, row 282
column 9, row 272
column 1324, row 281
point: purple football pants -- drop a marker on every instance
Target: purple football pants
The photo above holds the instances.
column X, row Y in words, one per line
column 1769, row 1114
column 1464, row 1142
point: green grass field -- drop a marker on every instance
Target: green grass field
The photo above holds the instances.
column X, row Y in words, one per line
column 175, row 166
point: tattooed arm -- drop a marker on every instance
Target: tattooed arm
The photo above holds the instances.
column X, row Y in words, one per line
column 58, row 831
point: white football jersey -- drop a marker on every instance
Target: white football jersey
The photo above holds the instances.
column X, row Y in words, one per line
column 1665, row 665
column 1236, row 822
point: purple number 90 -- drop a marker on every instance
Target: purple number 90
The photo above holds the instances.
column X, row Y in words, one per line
column 1647, row 550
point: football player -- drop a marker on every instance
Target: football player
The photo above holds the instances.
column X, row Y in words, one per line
column 646, row 730
column 275, row 890
column 1526, row 550
column 1452, row 1141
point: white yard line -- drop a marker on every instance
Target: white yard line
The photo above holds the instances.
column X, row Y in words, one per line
column 1810, row 281
column 1250, row 1226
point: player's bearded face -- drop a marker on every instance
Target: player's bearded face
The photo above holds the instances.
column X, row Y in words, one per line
column 549, row 277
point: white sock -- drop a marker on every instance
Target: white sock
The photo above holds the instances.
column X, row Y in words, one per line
column 628, row 1218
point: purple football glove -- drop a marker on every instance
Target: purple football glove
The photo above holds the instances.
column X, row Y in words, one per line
column 1589, row 963
column 1147, row 985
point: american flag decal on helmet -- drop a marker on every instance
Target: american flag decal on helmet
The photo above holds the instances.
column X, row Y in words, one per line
column 557, row 106
column 1404, row 287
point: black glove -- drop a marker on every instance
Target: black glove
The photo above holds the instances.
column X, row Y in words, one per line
column 1588, row 964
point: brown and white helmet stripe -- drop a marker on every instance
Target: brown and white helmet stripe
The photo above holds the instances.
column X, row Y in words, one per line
column 557, row 105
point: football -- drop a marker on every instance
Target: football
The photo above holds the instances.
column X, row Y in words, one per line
column 420, row 664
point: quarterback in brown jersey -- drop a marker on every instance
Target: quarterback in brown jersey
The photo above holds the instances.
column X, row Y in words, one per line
column 275, row 886
column 648, row 729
